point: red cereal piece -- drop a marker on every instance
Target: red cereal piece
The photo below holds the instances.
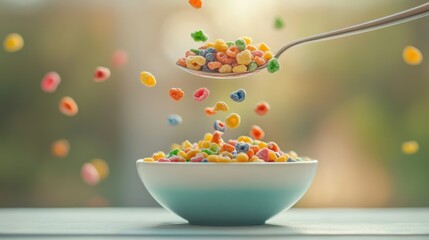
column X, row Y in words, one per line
column 119, row 58
column 201, row 94
column 257, row 133
column 177, row 159
column 101, row 74
column 262, row 108
column 68, row 106
column 50, row 82
column 176, row 94
column 214, row 65
column 217, row 137
column 250, row 153
column 210, row 111
column 89, row 174
column 263, row 154
column 227, row 147
column 197, row 158
column 273, row 146
column 182, row 62
column 196, row 3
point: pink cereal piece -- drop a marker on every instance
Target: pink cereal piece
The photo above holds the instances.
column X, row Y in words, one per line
column 119, row 58
column 101, row 74
column 258, row 53
column 201, row 94
column 189, row 53
column 197, row 158
column 233, row 51
column 177, row 159
column 182, row 62
column 263, row 154
column 89, row 174
column 223, row 58
column 163, row 160
column 50, row 82
column 232, row 142
column 214, row 65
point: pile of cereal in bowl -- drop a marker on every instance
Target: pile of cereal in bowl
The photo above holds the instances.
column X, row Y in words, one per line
column 212, row 148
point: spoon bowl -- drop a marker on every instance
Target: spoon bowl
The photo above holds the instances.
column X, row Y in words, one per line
column 217, row 75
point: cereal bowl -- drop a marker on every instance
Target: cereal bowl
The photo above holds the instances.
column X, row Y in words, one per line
column 227, row 194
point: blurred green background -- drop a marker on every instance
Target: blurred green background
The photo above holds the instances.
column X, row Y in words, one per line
column 350, row 102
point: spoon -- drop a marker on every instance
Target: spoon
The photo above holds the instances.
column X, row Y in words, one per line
column 401, row 17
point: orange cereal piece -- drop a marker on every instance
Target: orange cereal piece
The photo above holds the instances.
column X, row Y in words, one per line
column 251, row 47
column 214, row 65
column 210, row 111
column 227, row 147
column 273, row 146
column 223, row 58
column 232, row 51
column 196, row 3
column 257, row 133
column 68, row 106
column 217, row 137
column 60, row 148
column 259, row 60
column 412, row 55
column 182, row 62
column 176, row 94
column 262, row 108
column 255, row 148
column 250, row 153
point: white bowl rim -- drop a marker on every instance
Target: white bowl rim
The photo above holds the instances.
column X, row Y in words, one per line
column 140, row 161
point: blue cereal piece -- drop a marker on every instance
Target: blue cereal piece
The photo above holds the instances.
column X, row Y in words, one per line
column 238, row 96
column 211, row 50
column 205, row 160
column 219, row 126
column 202, row 52
column 210, row 57
column 242, row 147
column 174, row 119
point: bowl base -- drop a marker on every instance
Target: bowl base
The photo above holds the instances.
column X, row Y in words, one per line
column 224, row 224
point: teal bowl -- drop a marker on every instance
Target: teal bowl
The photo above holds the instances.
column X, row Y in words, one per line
column 227, row 194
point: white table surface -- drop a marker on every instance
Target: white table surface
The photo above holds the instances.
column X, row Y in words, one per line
column 157, row 223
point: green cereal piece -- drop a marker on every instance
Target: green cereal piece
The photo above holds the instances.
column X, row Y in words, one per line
column 241, row 44
column 196, row 51
column 173, row 152
column 273, row 65
column 208, row 151
column 252, row 66
column 214, row 147
column 278, row 23
column 229, row 43
column 199, row 36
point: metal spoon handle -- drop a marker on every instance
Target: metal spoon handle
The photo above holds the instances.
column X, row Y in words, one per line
column 401, row 17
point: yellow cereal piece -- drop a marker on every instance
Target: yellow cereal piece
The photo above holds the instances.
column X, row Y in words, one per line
column 293, row 154
column 282, row 158
column 205, row 155
column 224, row 159
column 248, row 40
column 186, row 144
column 174, row 146
column 226, row 154
column 272, row 156
column 254, row 159
column 251, row 47
column 239, row 68
column 13, row 42
column 205, row 144
column 212, row 158
column 226, row 68
column 244, row 57
column 147, row 79
column 192, row 153
column 264, row 47
column 220, row 45
column 182, row 154
column 208, row 137
column 148, row 160
column 412, row 55
column 101, row 167
column 245, row 139
column 242, row 157
column 210, row 45
column 200, row 60
column 158, row 155
column 221, row 106
column 268, row 55
column 233, row 120
column 410, row 147
column 262, row 145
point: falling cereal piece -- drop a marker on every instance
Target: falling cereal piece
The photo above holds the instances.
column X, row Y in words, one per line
column 201, row 94
column 68, row 106
column 256, row 132
column 13, row 42
column 119, row 58
column 412, row 55
column 102, row 167
column 174, row 119
column 199, row 36
column 89, row 174
column 50, row 82
column 60, row 148
column 147, row 79
column 101, row 74
column 209, row 111
column 176, row 94
column 262, row 108
column 233, row 120
column 278, row 23
column 238, row 96
column 410, row 147
column 196, row 3
column 219, row 126
column 221, row 106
